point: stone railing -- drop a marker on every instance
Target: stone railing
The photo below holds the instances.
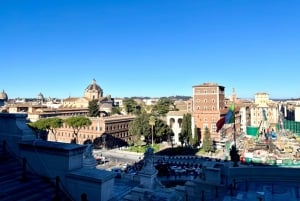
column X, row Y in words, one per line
column 56, row 160
column 270, row 174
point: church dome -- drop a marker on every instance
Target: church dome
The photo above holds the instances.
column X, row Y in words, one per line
column 40, row 96
column 93, row 91
column 93, row 87
column 3, row 96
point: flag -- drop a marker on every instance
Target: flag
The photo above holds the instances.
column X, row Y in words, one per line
column 220, row 123
column 229, row 118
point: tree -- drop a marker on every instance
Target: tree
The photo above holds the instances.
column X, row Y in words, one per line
column 115, row 110
column 94, row 108
column 152, row 124
column 163, row 106
column 77, row 122
column 195, row 140
column 140, row 126
column 47, row 125
column 181, row 139
column 186, row 128
column 54, row 123
column 131, row 106
column 161, row 130
column 39, row 128
column 207, row 141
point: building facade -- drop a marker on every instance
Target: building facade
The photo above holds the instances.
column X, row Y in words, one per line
column 110, row 131
column 174, row 121
column 3, row 98
column 208, row 105
column 264, row 112
column 92, row 92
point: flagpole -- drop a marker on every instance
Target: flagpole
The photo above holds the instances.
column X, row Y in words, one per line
column 236, row 159
column 234, row 130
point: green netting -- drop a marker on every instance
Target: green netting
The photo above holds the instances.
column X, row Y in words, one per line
column 251, row 130
column 256, row 160
column 248, row 160
column 293, row 126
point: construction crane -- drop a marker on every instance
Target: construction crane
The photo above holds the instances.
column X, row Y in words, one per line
column 264, row 120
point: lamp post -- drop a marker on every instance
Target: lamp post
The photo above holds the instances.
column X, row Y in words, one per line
column 103, row 140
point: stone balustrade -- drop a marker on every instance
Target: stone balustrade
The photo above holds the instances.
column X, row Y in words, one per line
column 55, row 159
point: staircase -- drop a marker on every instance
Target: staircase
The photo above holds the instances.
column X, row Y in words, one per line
column 17, row 183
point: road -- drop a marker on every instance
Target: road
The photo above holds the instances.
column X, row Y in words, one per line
column 116, row 157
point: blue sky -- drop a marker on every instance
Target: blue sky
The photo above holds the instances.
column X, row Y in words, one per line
column 149, row 47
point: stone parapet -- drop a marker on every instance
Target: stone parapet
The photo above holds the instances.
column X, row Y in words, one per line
column 54, row 160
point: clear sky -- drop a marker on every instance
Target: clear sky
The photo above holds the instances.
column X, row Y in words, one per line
column 149, row 47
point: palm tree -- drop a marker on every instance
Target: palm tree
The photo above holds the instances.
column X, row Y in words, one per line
column 152, row 123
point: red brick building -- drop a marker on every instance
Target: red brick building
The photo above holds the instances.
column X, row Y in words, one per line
column 208, row 106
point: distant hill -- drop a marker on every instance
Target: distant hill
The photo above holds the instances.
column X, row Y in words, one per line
column 178, row 97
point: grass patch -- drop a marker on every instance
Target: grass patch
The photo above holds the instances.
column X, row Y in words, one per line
column 142, row 149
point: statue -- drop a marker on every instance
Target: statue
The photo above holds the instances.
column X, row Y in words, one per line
column 88, row 153
column 89, row 160
column 148, row 157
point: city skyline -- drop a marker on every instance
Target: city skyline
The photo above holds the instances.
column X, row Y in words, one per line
column 149, row 48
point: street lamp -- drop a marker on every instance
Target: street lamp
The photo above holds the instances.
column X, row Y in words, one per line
column 103, row 140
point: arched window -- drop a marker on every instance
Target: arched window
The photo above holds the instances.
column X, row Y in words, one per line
column 179, row 122
column 172, row 121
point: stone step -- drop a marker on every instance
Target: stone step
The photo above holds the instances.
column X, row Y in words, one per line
column 13, row 188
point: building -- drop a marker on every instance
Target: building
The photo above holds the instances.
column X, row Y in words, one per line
column 208, row 106
column 92, row 92
column 174, row 118
column 109, row 131
column 3, row 98
column 174, row 121
column 245, row 113
column 264, row 112
column 38, row 108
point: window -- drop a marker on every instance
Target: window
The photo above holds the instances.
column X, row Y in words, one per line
column 180, row 122
column 213, row 127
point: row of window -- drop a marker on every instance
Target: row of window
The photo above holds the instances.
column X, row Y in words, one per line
column 205, row 91
column 108, row 127
column 86, row 136
column 205, row 100
column 206, row 108
column 62, row 134
column 116, row 127
column 213, row 127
